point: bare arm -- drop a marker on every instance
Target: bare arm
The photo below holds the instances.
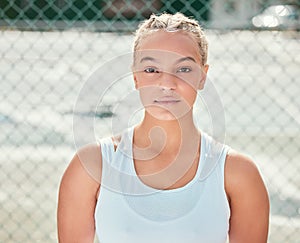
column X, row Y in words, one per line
column 78, row 197
column 249, row 201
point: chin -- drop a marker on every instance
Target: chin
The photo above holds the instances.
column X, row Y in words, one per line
column 165, row 115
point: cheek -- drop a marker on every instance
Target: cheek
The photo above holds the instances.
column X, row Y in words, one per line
column 188, row 93
column 192, row 79
column 142, row 79
column 147, row 94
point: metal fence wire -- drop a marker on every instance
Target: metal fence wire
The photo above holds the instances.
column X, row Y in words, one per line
column 49, row 50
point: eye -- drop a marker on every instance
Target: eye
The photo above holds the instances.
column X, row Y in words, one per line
column 184, row 70
column 151, row 70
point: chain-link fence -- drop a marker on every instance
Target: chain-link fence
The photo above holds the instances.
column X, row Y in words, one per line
column 49, row 49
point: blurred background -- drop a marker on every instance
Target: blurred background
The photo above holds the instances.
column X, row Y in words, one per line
column 49, row 49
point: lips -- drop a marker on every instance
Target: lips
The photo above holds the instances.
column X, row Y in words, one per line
column 166, row 100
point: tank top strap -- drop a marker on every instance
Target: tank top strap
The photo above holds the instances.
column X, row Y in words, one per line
column 213, row 154
column 107, row 149
column 126, row 143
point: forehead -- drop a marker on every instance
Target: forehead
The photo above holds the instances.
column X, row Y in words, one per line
column 171, row 45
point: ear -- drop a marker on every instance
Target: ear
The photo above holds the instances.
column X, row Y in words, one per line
column 135, row 80
column 134, row 76
column 203, row 78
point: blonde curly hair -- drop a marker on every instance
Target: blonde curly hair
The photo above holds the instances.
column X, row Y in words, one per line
column 172, row 23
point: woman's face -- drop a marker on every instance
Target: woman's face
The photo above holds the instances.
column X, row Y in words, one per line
column 168, row 72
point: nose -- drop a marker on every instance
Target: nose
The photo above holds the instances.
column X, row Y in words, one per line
column 167, row 81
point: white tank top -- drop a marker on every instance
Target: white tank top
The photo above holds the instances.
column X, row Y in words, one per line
column 129, row 211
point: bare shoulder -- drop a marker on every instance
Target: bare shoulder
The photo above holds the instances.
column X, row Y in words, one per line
column 240, row 168
column 248, row 199
column 91, row 159
column 86, row 163
column 78, row 194
column 83, row 174
column 242, row 176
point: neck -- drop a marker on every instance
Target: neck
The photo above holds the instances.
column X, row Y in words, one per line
column 172, row 133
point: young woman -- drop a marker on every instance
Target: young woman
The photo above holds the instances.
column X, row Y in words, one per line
column 163, row 180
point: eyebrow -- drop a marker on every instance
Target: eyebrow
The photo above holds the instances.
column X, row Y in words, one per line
column 185, row 59
column 144, row 59
column 188, row 58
